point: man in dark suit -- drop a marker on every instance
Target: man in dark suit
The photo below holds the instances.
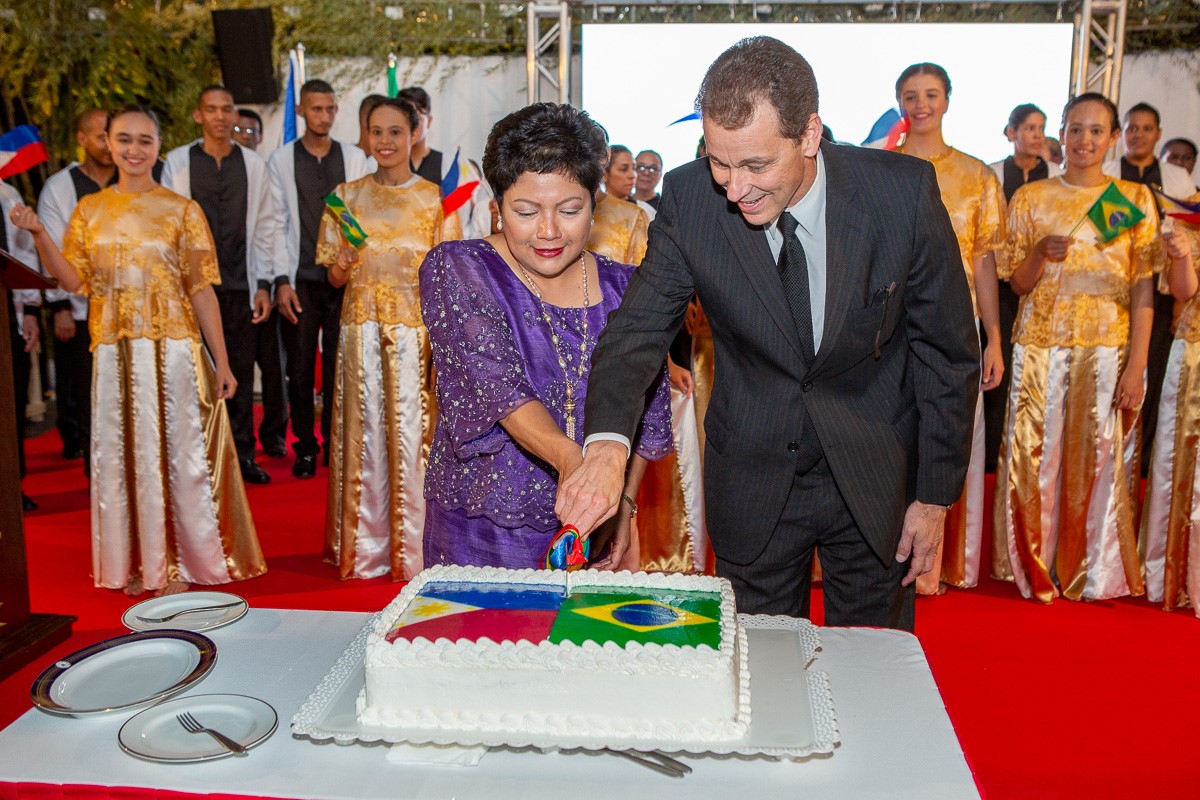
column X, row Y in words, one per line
column 847, row 363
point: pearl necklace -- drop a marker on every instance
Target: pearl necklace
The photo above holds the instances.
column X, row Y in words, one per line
column 569, row 402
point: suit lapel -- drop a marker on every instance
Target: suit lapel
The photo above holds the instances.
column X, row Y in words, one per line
column 754, row 256
column 843, row 247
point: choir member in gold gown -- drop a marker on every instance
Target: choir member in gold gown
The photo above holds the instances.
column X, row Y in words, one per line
column 1064, row 498
column 669, row 534
column 1169, row 542
column 168, row 504
column 975, row 201
column 384, row 407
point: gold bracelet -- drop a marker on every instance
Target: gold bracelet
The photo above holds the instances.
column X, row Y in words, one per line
column 632, row 505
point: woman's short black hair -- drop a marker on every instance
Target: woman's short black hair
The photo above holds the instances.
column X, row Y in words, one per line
column 544, row 138
column 405, row 107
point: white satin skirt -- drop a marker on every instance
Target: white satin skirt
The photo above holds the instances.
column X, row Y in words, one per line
column 1170, row 534
column 1064, row 499
column 384, row 411
column 168, row 502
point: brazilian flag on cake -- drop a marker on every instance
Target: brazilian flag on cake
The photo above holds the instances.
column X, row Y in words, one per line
column 621, row 617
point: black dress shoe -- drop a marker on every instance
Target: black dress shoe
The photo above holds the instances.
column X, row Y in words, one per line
column 27, row 503
column 276, row 451
column 305, row 466
column 252, row 472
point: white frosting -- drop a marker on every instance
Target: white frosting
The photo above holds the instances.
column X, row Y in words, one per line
column 645, row 691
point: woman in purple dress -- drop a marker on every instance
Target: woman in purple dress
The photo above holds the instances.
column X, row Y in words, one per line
column 513, row 320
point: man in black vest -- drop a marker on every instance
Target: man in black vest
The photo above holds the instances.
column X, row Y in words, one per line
column 230, row 183
column 72, row 350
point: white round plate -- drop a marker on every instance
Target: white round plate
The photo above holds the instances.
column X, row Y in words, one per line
column 124, row 673
column 199, row 621
column 156, row 735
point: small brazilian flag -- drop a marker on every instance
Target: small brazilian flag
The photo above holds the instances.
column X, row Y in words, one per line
column 1113, row 213
column 354, row 233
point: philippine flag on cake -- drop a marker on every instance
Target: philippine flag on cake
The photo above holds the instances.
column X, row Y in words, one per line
column 886, row 132
column 458, row 185
column 20, row 149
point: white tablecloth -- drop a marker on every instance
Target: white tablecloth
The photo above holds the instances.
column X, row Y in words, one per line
column 896, row 739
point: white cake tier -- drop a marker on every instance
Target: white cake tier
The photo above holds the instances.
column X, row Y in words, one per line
column 647, row 691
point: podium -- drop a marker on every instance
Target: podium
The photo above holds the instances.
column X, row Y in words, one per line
column 23, row 635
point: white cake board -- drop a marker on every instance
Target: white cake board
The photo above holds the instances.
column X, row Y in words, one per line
column 792, row 713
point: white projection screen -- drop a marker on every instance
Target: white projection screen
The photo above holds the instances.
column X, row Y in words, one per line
column 639, row 78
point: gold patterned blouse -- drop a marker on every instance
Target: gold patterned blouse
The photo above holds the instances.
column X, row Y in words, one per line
column 974, row 199
column 1187, row 327
column 140, row 258
column 1083, row 300
column 619, row 231
column 402, row 223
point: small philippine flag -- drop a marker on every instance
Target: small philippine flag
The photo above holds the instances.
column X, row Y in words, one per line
column 20, row 149
column 1185, row 210
column 458, row 185
column 886, row 132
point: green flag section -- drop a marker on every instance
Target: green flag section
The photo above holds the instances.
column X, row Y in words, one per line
column 1113, row 213
column 669, row 617
column 353, row 232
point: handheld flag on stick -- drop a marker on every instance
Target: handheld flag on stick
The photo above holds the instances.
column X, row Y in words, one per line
column 21, row 149
column 393, row 84
column 887, row 131
column 1111, row 213
column 353, row 232
column 458, row 185
column 1183, row 210
column 291, row 95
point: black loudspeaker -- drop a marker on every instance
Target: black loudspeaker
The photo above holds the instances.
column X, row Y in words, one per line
column 245, row 46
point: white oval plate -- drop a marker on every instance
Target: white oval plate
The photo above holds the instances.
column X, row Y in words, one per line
column 156, row 735
column 124, row 673
column 199, row 622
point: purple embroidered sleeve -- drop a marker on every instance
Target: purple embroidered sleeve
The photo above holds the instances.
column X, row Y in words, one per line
column 480, row 374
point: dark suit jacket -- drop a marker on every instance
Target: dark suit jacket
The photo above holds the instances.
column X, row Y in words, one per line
column 894, row 426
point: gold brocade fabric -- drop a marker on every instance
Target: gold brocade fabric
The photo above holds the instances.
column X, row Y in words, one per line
column 402, row 223
column 974, row 199
column 1064, row 503
column 140, row 258
column 1083, row 300
column 1169, row 541
column 619, row 230
column 168, row 502
column 1188, row 325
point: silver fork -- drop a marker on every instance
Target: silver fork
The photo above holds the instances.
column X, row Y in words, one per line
column 191, row 725
column 170, row 617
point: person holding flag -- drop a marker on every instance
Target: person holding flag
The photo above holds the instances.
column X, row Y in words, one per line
column 375, row 232
column 973, row 197
column 1166, row 541
column 1082, row 252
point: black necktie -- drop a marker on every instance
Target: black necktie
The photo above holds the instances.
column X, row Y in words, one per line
column 793, row 269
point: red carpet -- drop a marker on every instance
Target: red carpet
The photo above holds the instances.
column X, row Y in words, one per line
column 1094, row 700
